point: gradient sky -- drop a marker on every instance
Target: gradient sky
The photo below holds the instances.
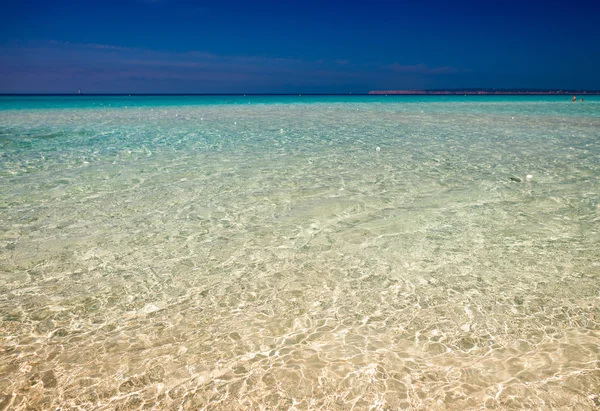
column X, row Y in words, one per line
column 183, row 46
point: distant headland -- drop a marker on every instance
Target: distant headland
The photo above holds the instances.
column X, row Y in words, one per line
column 485, row 91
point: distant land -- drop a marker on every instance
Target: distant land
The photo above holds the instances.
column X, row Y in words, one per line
column 486, row 91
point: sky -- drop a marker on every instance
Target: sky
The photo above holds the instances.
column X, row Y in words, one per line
column 293, row 46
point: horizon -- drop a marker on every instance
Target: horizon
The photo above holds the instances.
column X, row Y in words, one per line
column 185, row 47
column 374, row 93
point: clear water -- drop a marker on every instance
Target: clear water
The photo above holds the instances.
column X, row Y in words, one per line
column 299, row 253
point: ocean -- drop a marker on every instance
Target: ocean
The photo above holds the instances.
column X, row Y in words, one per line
column 299, row 252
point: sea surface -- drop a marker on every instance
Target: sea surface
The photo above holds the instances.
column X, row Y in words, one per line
column 299, row 253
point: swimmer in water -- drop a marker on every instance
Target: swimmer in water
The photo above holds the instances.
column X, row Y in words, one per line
column 581, row 99
column 574, row 99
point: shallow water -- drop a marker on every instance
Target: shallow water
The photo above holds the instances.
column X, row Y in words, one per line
column 287, row 253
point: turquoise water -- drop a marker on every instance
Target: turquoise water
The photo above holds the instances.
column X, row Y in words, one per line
column 299, row 252
column 537, row 104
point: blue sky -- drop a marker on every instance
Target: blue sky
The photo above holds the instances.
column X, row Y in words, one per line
column 181, row 46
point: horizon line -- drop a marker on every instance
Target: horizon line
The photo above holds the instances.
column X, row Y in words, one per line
column 390, row 92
